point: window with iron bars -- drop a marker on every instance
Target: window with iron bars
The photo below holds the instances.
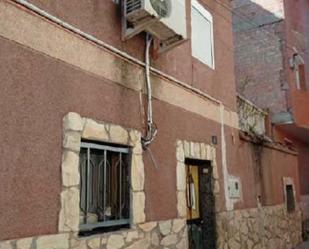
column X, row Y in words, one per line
column 104, row 187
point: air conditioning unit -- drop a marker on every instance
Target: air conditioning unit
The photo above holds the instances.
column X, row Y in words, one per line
column 164, row 19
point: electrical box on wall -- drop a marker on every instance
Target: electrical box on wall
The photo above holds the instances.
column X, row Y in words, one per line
column 164, row 19
column 234, row 188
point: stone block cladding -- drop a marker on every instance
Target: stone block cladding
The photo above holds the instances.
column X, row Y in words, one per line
column 167, row 234
column 263, row 228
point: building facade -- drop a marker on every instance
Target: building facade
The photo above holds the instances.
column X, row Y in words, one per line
column 271, row 54
column 75, row 171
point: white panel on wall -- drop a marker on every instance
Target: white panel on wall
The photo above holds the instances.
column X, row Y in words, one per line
column 202, row 34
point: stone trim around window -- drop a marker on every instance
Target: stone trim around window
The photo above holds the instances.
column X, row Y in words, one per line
column 77, row 128
column 192, row 150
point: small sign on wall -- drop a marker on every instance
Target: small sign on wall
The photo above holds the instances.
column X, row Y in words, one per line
column 234, row 188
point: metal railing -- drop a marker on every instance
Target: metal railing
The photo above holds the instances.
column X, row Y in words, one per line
column 105, row 186
column 251, row 117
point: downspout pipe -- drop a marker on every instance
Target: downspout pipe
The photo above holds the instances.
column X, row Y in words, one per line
column 228, row 203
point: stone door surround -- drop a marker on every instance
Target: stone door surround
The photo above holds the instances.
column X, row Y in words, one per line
column 193, row 150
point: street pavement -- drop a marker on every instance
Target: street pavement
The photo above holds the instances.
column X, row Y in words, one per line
column 305, row 245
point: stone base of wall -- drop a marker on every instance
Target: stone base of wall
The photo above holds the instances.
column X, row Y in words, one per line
column 305, row 206
column 259, row 228
column 170, row 234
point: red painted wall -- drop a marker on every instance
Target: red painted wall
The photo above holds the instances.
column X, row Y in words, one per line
column 296, row 25
column 263, row 169
column 297, row 35
column 38, row 91
column 304, row 172
column 103, row 20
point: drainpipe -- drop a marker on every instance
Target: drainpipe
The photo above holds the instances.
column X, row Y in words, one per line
column 228, row 202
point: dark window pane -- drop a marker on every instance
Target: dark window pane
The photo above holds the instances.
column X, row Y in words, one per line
column 105, row 185
column 290, row 198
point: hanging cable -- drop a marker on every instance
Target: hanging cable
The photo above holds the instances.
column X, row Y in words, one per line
column 152, row 158
column 151, row 131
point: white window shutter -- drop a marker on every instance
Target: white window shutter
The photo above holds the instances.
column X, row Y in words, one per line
column 202, row 35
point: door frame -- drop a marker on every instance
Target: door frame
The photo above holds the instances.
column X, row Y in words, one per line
column 203, row 221
column 196, row 151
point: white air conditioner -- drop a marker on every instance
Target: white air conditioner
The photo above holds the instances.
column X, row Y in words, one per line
column 164, row 19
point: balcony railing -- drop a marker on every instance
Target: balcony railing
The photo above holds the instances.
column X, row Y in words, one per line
column 251, row 117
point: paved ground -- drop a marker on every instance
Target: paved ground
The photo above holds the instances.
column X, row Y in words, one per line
column 304, row 246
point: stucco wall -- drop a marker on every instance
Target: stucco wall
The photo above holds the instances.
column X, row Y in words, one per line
column 303, row 169
column 38, row 91
column 263, row 169
column 103, row 20
column 47, row 90
column 32, row 131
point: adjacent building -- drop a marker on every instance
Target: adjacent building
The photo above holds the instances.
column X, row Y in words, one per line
column 115, row 139
column 271, row 41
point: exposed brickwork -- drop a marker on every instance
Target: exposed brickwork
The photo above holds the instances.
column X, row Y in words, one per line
column 259, row 66
column 259, row 12
column 266, row 35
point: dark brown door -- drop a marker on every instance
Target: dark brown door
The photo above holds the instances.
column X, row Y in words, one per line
column 200, row 205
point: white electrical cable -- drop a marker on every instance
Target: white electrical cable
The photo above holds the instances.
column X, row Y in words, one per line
column 149, row 90
column 132, row 59
column 151, row 128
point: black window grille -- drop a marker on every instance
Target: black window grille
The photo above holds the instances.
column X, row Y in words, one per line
column 290, row 199
column 104, row 186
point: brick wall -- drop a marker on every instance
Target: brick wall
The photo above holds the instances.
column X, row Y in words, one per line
column 259, row 12
column 259, row 66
